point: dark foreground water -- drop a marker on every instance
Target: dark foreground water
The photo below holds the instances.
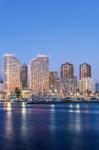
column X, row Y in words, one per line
column 49, row 127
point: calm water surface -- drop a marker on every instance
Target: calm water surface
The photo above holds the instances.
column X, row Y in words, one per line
column 49, row 127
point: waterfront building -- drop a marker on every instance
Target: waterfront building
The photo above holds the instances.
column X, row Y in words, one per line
column 85, row 71
column 72, row 86
column 29, row 75
column 97, row 87
column 11, row 73
column 87, row 85
column 1, row 86
column 68, row 81
column 53, row 83
column 26, row 93
column 39, row 75
column 24, row 76
column 58, row 87
column 67, row 72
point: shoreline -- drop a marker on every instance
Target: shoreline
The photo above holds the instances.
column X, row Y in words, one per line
column 43, row 103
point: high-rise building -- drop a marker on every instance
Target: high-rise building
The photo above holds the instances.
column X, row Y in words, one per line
column 97, row 87
column 85, row 71
column 53, row 77
column 67, row 78
column 1, row 86
column 24, row 76
column 67, row 71
column 11, row 73
column 39, row 75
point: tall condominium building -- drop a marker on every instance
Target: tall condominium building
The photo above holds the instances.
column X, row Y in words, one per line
column 11, row 73
column 97, row 87
column 53, row 82
column 67, row 78
column 39, row 75
column 67, row 71
column 1, row 86
column 85, row 70
column 24, row 76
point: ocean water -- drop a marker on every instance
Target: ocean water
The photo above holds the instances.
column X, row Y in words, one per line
column 49, row 127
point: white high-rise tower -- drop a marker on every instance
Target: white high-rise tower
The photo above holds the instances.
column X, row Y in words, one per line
column 11, row 73
column 39, row 75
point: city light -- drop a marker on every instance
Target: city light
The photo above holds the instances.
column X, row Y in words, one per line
column 35, row 79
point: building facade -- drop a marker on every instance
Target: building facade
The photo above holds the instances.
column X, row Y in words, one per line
column 11, row 73
column 1, row 86
column 68, row 81
column 72, row 86
column 87, row 85
column 67, row 72
column 85, row 71
column 39, row 75
column 24, row 76
column 97, row 87
column 53, row 83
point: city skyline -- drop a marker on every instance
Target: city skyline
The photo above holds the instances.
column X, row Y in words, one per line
column 66, row 31
column 76, row 73
column 37, row 78
column 49, row 74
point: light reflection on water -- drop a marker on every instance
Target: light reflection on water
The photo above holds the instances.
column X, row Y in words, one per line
column 49, row 126
column 78, row 124
column 24, row 122
column 52, row 117
column 23, row 109
column 8, row 121
column 75, row 112
column 74, row 108
column 7, row 106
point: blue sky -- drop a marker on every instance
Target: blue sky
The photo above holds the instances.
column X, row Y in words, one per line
column 66, row 30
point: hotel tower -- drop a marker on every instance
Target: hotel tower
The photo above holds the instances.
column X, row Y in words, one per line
column 24, row 76
column 85, row 71
column 39, row 75
column 11, row 73
column 68, row 80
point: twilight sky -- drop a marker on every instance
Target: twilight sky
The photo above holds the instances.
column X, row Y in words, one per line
column 66, row 30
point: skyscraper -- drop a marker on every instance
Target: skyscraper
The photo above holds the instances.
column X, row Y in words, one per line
column 11, row 73
column 1, row 86
column 66, row 75
column 85, row 71
column 67, row 72
column 39, row 75
column 24, row 76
